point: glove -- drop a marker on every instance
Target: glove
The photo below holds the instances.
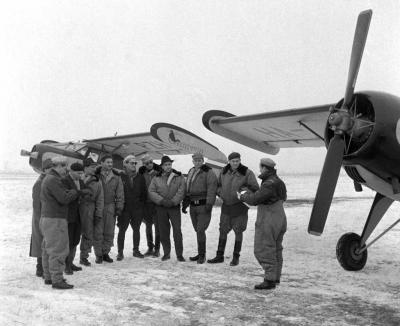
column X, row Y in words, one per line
column 209, row 208
column 185, row 204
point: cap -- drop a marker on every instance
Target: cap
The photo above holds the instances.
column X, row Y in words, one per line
column 47, row 164
column 130, row 158
column 165, row 159
column 146, row 158
column 233, row 156
column 267, row 162
column 58, row 160
column 76, row 167
column 198, row 156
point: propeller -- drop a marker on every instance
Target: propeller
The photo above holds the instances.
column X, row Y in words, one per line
column 340, row 122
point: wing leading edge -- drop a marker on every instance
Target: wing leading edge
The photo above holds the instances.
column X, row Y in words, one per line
column 268, row 132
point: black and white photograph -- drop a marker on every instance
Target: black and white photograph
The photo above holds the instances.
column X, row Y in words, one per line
column 187, row 162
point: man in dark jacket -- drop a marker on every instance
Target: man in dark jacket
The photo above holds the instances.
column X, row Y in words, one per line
column 201, row 190
column 91, row 213
column 167, row 190
column 135, row 194
column 37, row 237
column 233, row 178
column 149, row 170
column 113, row 190
column 73, row 180
column 55, row 197
column 270, row 224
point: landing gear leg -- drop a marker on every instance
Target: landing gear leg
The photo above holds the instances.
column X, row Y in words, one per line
column 351, row 251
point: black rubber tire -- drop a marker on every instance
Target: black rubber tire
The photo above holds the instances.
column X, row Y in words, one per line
column 346, row 255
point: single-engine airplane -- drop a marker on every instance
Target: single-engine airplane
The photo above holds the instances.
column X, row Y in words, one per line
column 163, row 139
column 361, row 133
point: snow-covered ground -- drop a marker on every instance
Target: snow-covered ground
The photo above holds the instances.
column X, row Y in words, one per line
column 315, row 290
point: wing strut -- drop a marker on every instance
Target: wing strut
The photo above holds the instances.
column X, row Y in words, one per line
column 310, row 130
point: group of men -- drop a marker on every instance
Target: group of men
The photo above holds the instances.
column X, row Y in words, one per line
column 84, row 203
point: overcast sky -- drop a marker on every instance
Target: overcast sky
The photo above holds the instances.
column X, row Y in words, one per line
column 85, row 69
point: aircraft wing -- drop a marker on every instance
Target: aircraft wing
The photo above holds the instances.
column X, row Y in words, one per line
column 163, row 139
column 268, row 132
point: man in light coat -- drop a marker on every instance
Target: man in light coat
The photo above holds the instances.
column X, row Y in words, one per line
column 167, row 190
column 113, row 190
column 270, row 224
column 234, row 216
column 55, row 197
column 91, row 212
column 201, row 190
column 37, row 237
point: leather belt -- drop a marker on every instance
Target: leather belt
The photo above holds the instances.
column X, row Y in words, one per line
column 199, row 202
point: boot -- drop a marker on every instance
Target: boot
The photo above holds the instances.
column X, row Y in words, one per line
column 156, row 253
column 266, row 285
column 120, row 256
column 202, row 253
column 99, row 259
column 166, row 257
column 68, row 267
column 50, row 282
column 62, row 286
column 194, row 258
column 75, row 268
column 236, row 253
column 149, row 252
column 85, row 262
column 137, row 254
column 107, row 258
column 180, row 258
column 219, row 258
column 39, row 267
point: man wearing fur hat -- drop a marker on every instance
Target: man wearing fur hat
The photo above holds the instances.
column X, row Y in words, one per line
column 167, row 190
column 270, row 224
column 36, row 237
column 91, row 212
column 201, row 190
column 234, row 178
column 73, row 180
column 149, row 170
column 135, row 194
column 113, row 190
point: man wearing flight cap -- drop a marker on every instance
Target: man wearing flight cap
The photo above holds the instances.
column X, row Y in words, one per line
column 91, row 212
column 201, row 190
column 167, row 190
column 73, row 180
column 149, row 170
column 36, row 237
column 270, row 224
column 234, row 177
column 55, row 197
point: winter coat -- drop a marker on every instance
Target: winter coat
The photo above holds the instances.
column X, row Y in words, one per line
column 230, row 182
column 113, row 190
column 36, row 197
column 149, row 175
column 135, row 191
column 170, row 187
column 55, row 197
column 203, row 185
column 94, row 203
column 272, row 190
column 73, row 206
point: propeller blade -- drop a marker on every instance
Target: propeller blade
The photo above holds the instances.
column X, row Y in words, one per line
column 327, row 185
column 360, row 38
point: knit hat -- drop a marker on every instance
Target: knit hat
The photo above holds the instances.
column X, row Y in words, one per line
column 76, row 167
column 198, row 156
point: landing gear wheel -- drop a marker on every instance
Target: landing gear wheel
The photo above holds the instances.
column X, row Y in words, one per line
column 346, row 252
